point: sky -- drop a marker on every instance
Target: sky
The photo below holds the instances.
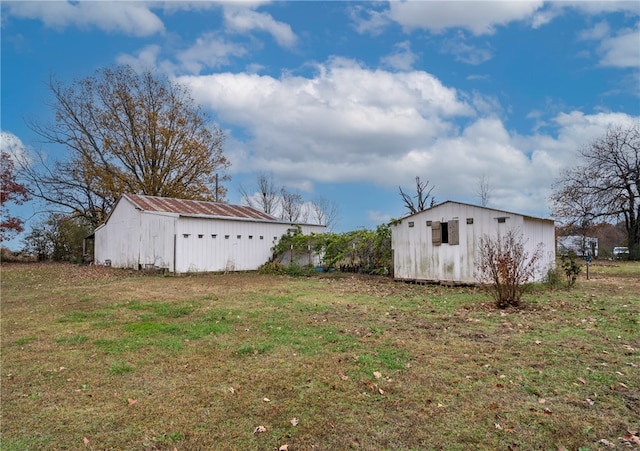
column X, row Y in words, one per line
column 350, row 101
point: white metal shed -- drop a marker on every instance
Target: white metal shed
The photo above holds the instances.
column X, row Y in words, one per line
column 188, row 236
column 441, row 243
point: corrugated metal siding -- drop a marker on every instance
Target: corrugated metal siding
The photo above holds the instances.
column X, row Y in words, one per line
column 145, row 231
column 418, row 256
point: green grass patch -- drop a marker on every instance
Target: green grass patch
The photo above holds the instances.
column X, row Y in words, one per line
column 25, row 340
column 73, row 340
column 118, row 368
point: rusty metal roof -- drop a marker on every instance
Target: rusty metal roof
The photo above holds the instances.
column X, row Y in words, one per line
column 196, row 208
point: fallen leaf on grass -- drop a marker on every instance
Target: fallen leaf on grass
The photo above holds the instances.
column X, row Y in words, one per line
column 498, row 426
column 259, row 429
column 622, row 385
column 132, row 401
column 85, row 440
column 284, row 448
column 606, row 442
column 377, row 374
column 381, row 391
column 266, row 399
column 590, row 401
column 294, row 422
column 631, row 437
column 584, row 382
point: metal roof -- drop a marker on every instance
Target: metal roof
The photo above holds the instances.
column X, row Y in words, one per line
column 196, row 207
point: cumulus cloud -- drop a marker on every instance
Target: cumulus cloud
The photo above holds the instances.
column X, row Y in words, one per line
column 132, row 18
column 477, row 17
column 348, row 123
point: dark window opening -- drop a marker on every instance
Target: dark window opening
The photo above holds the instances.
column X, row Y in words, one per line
column 261, row 237
column 200, row 236
column 239, row 236
column 502, row 220
column 226, row 237
column 428, row 223
column 444, row 232
column 469, row 220
column 186, row 235
column 411, row 224
column 214, row 236
column 250, row 237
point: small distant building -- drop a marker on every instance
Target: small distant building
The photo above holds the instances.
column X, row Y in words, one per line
column 582, row 246
column 441, row 243
column 177, row 235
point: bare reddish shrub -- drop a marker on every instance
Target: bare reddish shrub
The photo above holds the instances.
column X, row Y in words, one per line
column 506, row 266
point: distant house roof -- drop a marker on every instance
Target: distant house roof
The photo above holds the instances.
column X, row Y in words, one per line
column 478, row 206
column 196, row 208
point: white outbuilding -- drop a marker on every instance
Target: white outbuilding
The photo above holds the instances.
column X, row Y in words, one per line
column 147, row 232
column 441, row 243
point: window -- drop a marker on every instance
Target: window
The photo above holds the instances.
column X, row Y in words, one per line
column 502, row 219
column 239, row 236
column 200, row 236
column 429, row 223
column 186, row 235
column 226, row 237
column 411, row 224
column 261, row 237
column 445, row 232
column 214, row 236
column 250, row 237
column 469, row 220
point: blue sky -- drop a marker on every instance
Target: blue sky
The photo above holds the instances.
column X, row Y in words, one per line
column 350, row 100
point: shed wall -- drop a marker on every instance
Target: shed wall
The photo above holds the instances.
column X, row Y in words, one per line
column 418, row 257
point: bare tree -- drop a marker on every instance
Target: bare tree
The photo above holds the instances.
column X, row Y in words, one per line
column 125, row 132
column 325, row 211
column 605, row 185
column 423, row 191
column 265, row 198
column 291, row 203
column 484, row 190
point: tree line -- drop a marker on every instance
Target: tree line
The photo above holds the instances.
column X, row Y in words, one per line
column 139, row 132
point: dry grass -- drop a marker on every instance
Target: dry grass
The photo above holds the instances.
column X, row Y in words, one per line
column 96, row 358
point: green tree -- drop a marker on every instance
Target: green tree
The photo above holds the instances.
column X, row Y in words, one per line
column 58, row 237
column 125, row 132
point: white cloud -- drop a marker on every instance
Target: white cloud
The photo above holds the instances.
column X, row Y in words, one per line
column 14, row 146
column 132, row 18
column 464, row 52
column 402, row 58
column 243, row 20
column 477, row 17
column 622, row 50
column 209, row 51
column 342, row 124
column 598, row 31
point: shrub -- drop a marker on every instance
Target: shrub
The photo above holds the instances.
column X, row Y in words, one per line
column 505, row 264
column 570, row 267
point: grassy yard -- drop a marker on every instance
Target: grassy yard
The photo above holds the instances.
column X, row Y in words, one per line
column 96, row 358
